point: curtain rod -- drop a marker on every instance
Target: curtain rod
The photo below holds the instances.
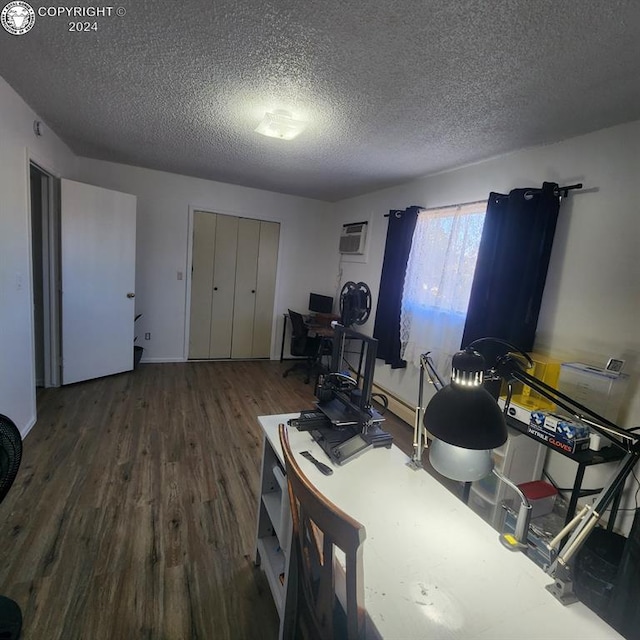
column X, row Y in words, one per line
column 558, row 191
column 564, row 191
column 449, row 206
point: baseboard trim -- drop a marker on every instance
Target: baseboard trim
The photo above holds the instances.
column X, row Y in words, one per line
column 399, row 407
column 160, row 360
column 25, row 430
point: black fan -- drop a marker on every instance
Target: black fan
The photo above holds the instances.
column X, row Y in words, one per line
column 10, row 456
column 355, row 303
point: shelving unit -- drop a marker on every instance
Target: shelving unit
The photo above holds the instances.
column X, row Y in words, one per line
column 273, row 537
column 520, row 459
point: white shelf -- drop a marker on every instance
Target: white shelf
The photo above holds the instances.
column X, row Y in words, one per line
column 274, row 524
column 273, row 504
column 280, row 478
column 272, row 561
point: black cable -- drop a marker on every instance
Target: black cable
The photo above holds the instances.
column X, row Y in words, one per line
column 511, row 347
column 635, row 497
column 551, row 480
column 384, row 401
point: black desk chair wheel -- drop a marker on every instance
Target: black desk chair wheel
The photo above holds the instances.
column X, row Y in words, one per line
column 304, row 346
column 10, row 456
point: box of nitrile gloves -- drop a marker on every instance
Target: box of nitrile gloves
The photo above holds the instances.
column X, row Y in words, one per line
column 559, row 432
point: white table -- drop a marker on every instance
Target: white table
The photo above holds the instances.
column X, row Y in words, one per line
column 432, row 567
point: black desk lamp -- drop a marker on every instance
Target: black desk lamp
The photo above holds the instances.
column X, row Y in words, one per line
column 467, row 421
column 449, row 456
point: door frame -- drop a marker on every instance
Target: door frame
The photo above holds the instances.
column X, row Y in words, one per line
column 51, row 269
column 187, row 293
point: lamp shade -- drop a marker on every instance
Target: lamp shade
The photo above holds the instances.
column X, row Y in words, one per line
column 466, row 417
column 464, row 465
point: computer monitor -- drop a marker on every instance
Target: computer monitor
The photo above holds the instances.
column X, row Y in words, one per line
column 320, row 304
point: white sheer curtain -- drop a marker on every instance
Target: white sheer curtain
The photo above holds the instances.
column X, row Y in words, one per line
column 438, row 282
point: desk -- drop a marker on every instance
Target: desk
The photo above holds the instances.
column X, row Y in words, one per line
column 432, row 567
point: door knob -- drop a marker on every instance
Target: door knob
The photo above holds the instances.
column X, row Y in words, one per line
column 215, row 288
column 131, row 295
column 253, row 290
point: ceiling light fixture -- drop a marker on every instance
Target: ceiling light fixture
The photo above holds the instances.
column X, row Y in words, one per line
column 280, row 124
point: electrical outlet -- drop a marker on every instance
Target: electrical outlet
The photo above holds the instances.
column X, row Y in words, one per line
column 147, row 336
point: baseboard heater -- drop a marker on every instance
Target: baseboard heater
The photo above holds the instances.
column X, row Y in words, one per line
column 397, row 406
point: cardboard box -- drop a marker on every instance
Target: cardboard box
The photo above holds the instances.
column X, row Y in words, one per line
column 559, row 432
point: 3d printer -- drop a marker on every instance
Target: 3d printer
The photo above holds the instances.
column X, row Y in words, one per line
column 346, row 424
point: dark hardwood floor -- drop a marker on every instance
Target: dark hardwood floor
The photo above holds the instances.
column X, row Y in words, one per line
column 134, row 511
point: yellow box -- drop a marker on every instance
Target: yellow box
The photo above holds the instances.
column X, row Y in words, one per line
column 545, row 369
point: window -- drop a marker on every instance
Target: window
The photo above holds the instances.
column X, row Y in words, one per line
column 438, row 281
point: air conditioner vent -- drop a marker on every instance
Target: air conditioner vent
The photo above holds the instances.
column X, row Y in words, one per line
column 353, row 238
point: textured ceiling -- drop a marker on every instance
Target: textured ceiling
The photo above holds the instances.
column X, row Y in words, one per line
column 392, row 90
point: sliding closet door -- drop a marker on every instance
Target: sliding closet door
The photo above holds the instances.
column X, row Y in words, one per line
column 233, row 281
column 204, row 229
column 224, row 276
column 266, row 289
column 246, row 284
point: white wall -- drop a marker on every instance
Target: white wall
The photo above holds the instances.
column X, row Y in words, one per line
column 17, row 144
column 591, row 306
column 164, row 202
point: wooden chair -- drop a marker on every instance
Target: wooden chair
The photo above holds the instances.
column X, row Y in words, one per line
column 313, row 609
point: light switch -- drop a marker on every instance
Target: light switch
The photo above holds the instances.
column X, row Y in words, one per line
column 19, row 281
column 179, row 275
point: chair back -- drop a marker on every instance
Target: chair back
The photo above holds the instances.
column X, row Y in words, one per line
column 10, row 454
column 298, row 326
column 318, row 528
column 299, row 333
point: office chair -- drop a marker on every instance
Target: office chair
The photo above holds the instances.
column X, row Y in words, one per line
column 311, row 349
column 10, row 456
column 314, row 609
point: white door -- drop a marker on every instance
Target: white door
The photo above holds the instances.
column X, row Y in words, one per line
column 266, row 289
column 244, row 303
column 204, row 233
column 98, row 237
column 224, row 269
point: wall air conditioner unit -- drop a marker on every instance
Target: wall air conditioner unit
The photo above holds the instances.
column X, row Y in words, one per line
column 352, row 240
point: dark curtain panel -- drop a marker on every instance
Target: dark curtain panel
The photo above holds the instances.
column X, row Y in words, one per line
column 396, row 254
column 512, row 266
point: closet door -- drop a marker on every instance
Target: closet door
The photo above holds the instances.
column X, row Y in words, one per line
column 245, row 288
column 266, row 289
column 204, row 228
column 224, row 281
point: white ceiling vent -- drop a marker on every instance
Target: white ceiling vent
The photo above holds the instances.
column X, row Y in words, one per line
column 353, row 238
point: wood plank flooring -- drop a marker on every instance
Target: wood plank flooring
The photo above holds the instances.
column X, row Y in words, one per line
column 133, row 514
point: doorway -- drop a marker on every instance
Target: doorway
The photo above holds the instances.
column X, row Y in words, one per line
column 45, row 269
